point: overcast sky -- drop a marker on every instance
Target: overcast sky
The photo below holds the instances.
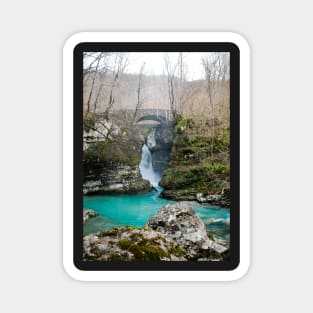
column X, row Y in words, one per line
column 154, row 63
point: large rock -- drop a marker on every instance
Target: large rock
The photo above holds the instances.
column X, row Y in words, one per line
column 180, row 223
column 114, row 179
column 222, row 199
column 131, row 244
column 88, row 213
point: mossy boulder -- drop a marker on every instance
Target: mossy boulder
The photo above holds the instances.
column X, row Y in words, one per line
column 131, row 244
column 180, row 223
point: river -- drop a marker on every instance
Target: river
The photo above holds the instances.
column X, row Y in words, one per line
column 136, row 210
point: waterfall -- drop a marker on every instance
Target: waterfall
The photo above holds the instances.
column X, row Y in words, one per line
column 146, row 168
column 151, row 140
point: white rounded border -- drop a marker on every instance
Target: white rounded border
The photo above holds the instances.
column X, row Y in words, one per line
column 68, row 263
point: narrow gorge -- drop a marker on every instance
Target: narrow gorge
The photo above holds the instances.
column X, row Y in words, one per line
column 156, row 162
column 123, row 195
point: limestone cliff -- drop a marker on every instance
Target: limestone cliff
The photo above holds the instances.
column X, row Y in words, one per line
column 101, row 178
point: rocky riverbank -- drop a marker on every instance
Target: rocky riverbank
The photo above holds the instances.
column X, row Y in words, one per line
column 175, row 233
column 221, row 199
column 111, row 156
column 105, row 179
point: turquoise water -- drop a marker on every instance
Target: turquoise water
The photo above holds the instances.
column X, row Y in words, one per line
column 136, row 210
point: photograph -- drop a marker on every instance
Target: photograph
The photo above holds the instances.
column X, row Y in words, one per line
column 156, row 156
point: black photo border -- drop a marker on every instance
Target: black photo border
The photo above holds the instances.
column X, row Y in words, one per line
column 234, row 258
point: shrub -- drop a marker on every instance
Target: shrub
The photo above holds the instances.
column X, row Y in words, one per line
column 89, row 121
column 219, row 168
column 184, row 123
column 112, row 153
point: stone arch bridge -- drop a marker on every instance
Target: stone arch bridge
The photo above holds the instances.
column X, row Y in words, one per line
column 162, row 116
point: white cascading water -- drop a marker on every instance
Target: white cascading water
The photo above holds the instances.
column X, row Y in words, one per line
column 146, row 168
column 151, row 140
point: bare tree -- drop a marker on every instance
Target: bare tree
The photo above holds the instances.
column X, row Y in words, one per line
column 215, row 68
column 108, row 74
column 91, row 60
column 120, row 64
column 102, row 78
column 182, row 79
column 179, row 91
column 97, row 61
column 139, row 102
column 95, row 68
column 170, row 69
column 185, row 89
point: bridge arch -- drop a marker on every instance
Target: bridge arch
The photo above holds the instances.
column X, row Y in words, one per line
column 152, row 117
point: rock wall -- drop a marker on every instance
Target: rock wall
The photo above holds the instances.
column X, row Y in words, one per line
column 101, row 178
column 162, row 149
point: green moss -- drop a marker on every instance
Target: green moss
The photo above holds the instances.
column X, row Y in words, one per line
column 147, row 252
column 113, row 152
column 124, row 244
column 178, row 251
column 89, row 257
column 181, row 141
column 220, row 168
column 133, row 227
column 194, row 168
column 109, row 232
column 210, row 235
column 115, row 257
column 184, row 176
column 148, row 229
column 95, row 253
